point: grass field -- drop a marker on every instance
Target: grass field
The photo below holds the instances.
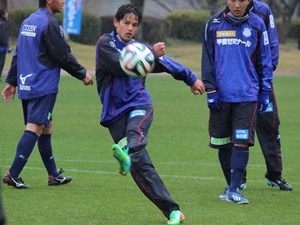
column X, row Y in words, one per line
column 178, row 145
column 187, row 53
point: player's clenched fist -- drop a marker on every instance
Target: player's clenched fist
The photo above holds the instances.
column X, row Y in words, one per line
column 88, row 80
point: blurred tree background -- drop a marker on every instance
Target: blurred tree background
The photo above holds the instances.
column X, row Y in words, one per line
column 155, row 13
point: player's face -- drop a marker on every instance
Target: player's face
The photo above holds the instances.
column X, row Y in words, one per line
column 55, row 6
column 238, row 7
column 127, row 27
column 5, row 15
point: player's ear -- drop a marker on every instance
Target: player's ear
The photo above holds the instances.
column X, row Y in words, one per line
column 115, row 22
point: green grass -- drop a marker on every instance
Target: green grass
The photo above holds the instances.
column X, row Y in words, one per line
column 178, row 145
column 187, row 53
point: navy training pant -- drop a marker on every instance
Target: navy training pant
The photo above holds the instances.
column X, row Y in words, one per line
column 135, row 125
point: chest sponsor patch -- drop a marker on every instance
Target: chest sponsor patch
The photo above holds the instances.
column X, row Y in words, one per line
column 226, row 33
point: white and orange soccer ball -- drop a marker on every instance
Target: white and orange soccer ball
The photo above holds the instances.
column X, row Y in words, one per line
column 137, row 60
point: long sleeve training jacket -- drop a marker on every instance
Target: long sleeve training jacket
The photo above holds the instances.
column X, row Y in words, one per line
column 118, row 92
column 264, row 12
column 41, row 52
column 3, row 35
column 236, row 57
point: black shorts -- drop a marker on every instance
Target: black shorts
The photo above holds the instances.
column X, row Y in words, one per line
column 132, row 129
column 233, row 124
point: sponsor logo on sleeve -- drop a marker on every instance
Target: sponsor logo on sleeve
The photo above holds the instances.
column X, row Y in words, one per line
column 272, row 23
column 28, row 30
column 266, row 38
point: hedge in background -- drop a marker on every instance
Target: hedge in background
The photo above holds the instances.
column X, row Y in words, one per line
column 90, row 28
column 188, row 25
column 155, row 30
column 151, row 30
column 90, row 25
column 294, row 31
column 15, row 19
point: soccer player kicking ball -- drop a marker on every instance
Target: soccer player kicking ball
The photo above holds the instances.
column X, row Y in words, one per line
column 127, row 109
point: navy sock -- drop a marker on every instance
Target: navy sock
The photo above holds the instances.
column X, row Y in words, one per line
column 239, row 161
column 24, row 149
column 45, row 149
column 224, row 158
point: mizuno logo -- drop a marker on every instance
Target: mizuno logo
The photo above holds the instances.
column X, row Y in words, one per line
column 216, row 20
column 24, row 87
column 23, row 79
column 16, row 183
column 61, row 180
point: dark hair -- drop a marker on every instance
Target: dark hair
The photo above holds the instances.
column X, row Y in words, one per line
column 42, row 3
column 128, row 8
column 2, row 12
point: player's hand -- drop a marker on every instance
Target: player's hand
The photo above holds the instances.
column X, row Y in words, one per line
column 198, row 87
column 8, row 92
column 160, row 48
column 88, row 80
column 8, row 49
column 263, row 101
column 213, row 100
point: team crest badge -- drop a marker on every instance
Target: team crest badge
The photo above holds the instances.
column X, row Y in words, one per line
column 112, row 44
column 247, row 32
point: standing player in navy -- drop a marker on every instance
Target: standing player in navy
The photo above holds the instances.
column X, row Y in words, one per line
column 4, row 46
column 127, row 108
column 237, row 73
column 2, row 211
column 267, row 127
column 35, row 70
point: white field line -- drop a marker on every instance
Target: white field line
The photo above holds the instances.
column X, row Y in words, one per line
column 190, row 177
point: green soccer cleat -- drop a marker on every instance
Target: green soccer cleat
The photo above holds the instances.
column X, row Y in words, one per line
column 123, row 159
column 176, row 217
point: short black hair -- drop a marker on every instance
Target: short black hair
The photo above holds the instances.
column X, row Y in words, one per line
column 128, row 8
column 42, row 3
column 2, row 12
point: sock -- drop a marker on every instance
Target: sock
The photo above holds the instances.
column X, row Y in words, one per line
column 239, row 161
column 45, row 149
column 24, row 149
column 224, row 158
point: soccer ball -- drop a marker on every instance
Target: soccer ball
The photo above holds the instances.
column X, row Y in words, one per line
column 137, row 60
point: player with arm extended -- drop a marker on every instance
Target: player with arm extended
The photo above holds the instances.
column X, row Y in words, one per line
column 237, row 73
column 267, row 126
column 35, row 70
column 127, row 109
